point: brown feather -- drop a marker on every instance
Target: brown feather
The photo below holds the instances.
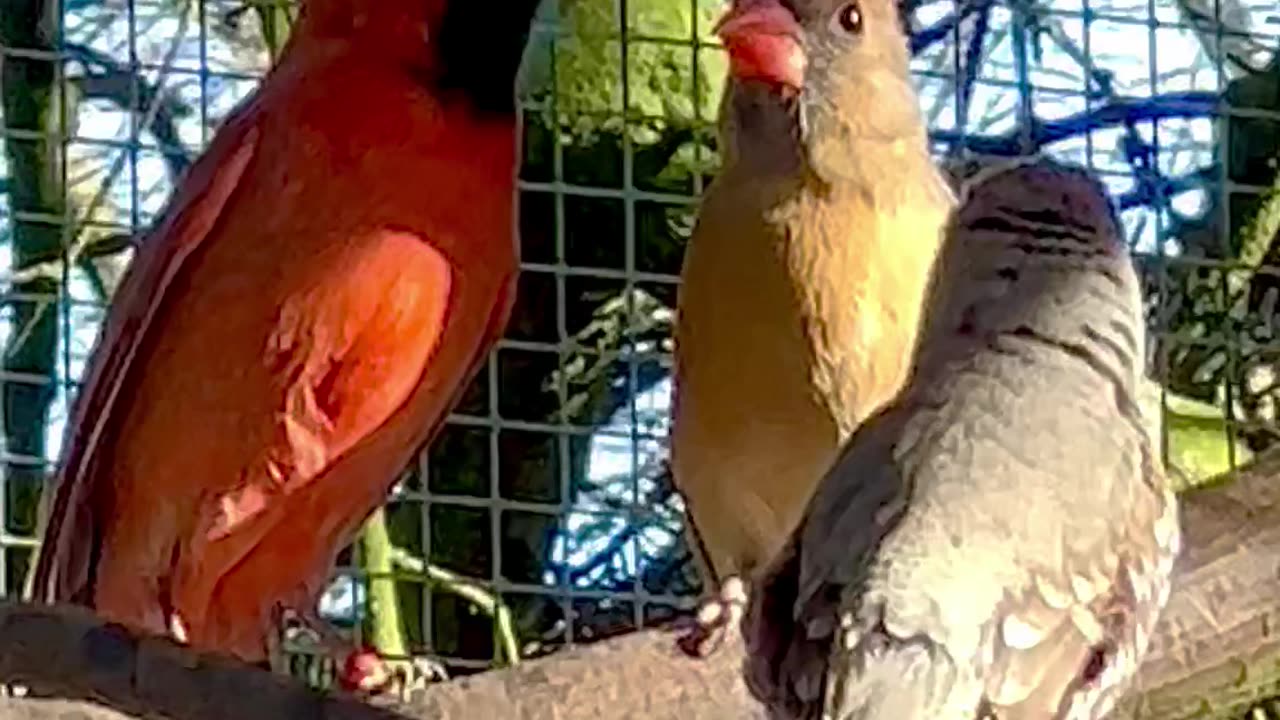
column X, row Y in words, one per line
column 802, row 283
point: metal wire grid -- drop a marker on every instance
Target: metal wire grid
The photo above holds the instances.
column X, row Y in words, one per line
column 588, row 241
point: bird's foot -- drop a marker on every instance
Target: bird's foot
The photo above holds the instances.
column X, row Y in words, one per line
column 304, row 645
column 361, row 671
column 369, row 675
column 715, row 618
column 178, row 628
column 309, row 632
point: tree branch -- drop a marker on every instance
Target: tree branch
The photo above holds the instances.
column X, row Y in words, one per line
column 107, row 79
column 1190, row 104
column 1214, row 653
column 925, row 38
column 65, row 653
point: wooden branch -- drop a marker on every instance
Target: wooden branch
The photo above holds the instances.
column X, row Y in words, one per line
column 1216, row 650
column 1214, row 654
column 65, row 652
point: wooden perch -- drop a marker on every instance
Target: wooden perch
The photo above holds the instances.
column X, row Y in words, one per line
column 1214, row 654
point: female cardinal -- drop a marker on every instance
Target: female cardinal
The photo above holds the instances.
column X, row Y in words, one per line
column 805, row 275
column 322, row 286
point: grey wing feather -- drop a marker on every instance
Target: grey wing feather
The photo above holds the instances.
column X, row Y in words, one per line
column 793, row 620
column 1068, row 645
column 1062, row 644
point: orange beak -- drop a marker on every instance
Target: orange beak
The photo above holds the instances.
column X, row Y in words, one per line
column 763, row 40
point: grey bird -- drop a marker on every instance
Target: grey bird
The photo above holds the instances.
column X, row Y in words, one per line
column 997, row 541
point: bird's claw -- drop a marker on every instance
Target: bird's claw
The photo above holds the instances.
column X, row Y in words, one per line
column 365, row 672
column 382, row 681
column 715, row 618
column 310, row 633
column 300, row 634
column 178, row 628
column 410, row 675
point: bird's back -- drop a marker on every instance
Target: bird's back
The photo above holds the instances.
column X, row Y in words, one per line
column 1001, row 535
column 983, row 458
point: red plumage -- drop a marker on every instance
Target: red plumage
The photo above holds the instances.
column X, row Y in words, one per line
column 323, row 284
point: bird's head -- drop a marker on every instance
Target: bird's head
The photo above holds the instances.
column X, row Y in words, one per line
column 838, row 69
column 1037, row 247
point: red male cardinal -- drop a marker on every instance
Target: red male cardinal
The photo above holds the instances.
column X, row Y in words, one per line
column 321, row 288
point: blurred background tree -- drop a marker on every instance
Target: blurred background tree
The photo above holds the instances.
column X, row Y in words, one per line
column 544, row 513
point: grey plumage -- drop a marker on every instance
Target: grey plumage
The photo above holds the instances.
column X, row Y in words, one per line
column 997, row 541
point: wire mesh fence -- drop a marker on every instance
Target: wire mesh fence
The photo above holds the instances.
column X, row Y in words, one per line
column 544, row 513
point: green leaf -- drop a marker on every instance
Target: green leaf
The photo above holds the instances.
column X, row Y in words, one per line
column 1200, row 443
column 579, row 71
column 276, row 18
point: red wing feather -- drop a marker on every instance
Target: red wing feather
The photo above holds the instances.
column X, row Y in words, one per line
column 62, row 566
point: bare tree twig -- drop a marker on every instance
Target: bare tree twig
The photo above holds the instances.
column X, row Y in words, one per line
column 110, row 80
column 1190, row 104
column 99, row 246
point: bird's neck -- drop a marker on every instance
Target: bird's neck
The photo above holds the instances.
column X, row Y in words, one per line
column 457, row 49
column 764, row 135
column 389, row 27
column 760, row 132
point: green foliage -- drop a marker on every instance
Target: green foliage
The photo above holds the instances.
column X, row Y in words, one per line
column 579, row 70
column 36, row 189
column 276, row 18
column 621, row 322
column 1218, row 303
column 1200, row 443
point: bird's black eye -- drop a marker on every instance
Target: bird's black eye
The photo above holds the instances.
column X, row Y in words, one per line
column 849, row 18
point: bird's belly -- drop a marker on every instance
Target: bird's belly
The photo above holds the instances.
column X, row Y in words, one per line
column 751, row 438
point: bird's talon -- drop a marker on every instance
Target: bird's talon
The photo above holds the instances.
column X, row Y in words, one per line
column 377, row 678
column 709, row 612
column 715, row 618
column 415, row 675
column 431, row 670
column 311, row 632
column 178, row 628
